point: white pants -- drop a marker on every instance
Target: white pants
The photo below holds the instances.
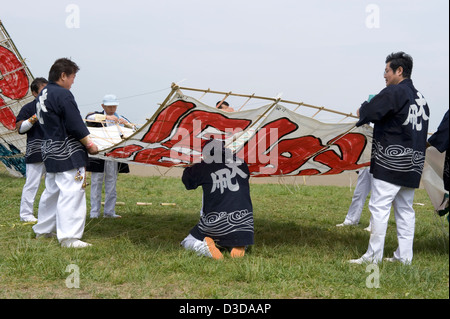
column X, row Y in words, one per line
column 362, row 190
column 110, row 176
column 384, row 195
column 62, row 208
column 199, row 246
column 34, row 172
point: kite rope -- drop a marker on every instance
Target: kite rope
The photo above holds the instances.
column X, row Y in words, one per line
column 149, row 121
column 131, row 96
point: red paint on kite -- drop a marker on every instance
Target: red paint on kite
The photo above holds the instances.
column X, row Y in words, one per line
column 13, row 84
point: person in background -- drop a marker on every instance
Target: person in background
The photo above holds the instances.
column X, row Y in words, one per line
column 400, row 116
column 362, row 190
column 26, row 123
column 439, row 140
column 224, row 106
column 66, row 143
column 102, row 170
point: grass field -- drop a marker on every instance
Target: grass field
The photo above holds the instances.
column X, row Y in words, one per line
column 298, row 251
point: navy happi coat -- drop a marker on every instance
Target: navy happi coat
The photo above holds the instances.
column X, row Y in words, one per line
column 400, row 115
column 63, row 128
column 227, row 212
column 440, row 140
column 34, row 134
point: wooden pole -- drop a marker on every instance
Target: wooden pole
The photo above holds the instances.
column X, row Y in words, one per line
column 224, row 98
column 256, row 121
column 246, row 101
column 319, row 108
column 16, row 52
column 143, row 204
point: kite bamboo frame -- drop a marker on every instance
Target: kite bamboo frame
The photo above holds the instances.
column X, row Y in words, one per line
column 9, row 40
column 11, row 137
column 274, row 99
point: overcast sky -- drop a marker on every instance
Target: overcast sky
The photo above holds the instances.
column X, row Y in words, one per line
column 328, row 53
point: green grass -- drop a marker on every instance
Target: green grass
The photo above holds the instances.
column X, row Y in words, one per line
column 298, row 251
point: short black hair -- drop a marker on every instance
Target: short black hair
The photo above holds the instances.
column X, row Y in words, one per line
column 61, row 66
column 36, row 84
column 223, row 103
column 402, row 59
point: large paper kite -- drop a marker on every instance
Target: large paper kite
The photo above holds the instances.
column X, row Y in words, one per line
column 272, row 139
column 15, row 80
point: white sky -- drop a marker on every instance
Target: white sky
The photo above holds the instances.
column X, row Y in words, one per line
column 320, row 52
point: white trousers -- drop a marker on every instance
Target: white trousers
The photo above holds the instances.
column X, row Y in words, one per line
column 362, row 190
column 199, row 246
column 110, row 177
column 34, row 173
column 384, row 195
column 62, row 208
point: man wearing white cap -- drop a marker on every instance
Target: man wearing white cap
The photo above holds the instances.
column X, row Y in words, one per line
column 105, row 170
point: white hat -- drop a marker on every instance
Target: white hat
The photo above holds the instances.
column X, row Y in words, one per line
column 110, row 99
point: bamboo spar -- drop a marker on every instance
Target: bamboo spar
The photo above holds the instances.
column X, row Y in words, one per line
column 253, row 96
column 246, row 101
column 274, row 101
column 224, row 98
column 269, row 109
column 277, row 100
column 15, row 50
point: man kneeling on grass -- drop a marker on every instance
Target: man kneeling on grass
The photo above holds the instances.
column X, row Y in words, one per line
column 226, row 217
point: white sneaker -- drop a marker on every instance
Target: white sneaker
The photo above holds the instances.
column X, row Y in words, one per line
column 74, row 243
column 361, row 261
column 29, row 219
column 201, row 248
column 368, row 228
column 358, row 261
column 346, row 224
column 112, row 216
column 393, row 260
column 93, row 216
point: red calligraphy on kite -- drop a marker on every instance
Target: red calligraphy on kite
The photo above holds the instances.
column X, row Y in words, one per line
column 177, row 129
column 277, row 147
